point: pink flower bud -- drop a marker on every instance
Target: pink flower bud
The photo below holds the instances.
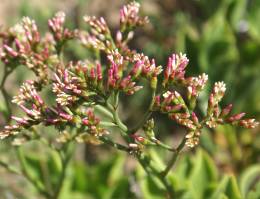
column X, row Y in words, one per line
column 99, row 72
column 10, row 51
column 225, row 111
column 157, row 101
column 26, row 110
column 194, row 118
column 18, row 45
column 92, row 73
column 119, row 36
column 211, row 101
column 236, row 117
column 85, row 121
column 51, row 121
column 137, row 69
column 66, row 116
column 20, row 120
column 138, row 138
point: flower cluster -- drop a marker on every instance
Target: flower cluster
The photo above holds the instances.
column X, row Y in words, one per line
column 24, row 46
column 129, row 16
column 68, row 88
column 93, row 124
column 87, row 93
column 79, row 85
column 32, row 104
column 175, row 69
column 196, row 84
column 170, row 102
column 60, row 33
column 99, row 36
column 36, row 112
column 174, row 105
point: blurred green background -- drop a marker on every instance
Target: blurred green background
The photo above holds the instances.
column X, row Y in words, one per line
column 220, row 38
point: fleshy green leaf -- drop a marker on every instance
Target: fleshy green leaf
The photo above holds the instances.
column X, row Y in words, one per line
column 228, row 186
column 248, row 178
column 203, row 175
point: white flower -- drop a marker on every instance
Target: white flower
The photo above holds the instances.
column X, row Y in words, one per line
column 219, row 87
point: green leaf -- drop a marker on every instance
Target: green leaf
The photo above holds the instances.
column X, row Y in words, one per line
column 238, row 8
column 45, row 168
column 228, row 186
column 117, row 170
column 80, row 178
column 248, row 179
column 252, row 17
column 203, row 175
column 121, row 189
column 149, row 185
column 179, row 176
column 232, row 190
column 255, row 194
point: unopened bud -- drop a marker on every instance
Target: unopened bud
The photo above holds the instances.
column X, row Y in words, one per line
column 225, row 111
column 236, row 117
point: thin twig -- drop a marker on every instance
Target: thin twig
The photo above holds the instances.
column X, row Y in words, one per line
column 143, row 160
column 5, row 94
column 9, row 168
column 118, row 146
column 145, row 117
column 173, row 158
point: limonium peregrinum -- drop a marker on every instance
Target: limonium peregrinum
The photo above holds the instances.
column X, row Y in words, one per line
column 84, row 87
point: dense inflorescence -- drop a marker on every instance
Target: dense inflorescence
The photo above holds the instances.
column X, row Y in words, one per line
column 79, row 86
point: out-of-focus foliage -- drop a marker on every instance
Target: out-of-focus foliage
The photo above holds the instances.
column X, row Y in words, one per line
column 221, row 38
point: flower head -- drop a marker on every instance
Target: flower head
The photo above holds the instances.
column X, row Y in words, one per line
column 196, row 84
column 28, row 95
column 93, row 124
column 175, row 68
column 99, row 36
column 219, row 91
column 192, row 138
column 67, row 87
column 249, row 123
column 129, row 16
column 60, row 33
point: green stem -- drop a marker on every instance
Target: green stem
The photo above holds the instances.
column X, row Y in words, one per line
column 5, row 94
column 9, row 168
column 173, row 158
column 141, row 123
column 118, row 146
column 116, row 118
column 146, row 115
column 162, row 145
column 151, row 170
column 107, row 124
column 104, row 111
column 143, row 160
column 119, row 123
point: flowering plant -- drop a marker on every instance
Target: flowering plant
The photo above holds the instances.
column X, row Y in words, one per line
column 87, row 93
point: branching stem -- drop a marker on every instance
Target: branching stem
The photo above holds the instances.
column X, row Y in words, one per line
column 7, row 72
column 173, row 158
column 146, row 115
column 143, row 159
